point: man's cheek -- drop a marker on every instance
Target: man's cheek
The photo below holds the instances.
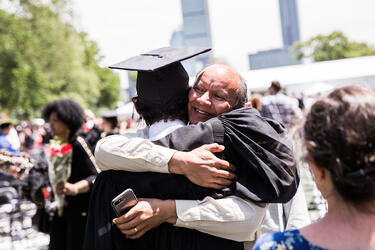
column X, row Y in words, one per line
column 222, row 108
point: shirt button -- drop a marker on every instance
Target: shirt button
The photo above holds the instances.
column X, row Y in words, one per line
column 157, row 159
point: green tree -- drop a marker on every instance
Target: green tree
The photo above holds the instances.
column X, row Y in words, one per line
column 331, row 47
column 43, row 57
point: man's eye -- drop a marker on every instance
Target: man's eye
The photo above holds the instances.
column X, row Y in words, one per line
column 198, row 90
column 218, row 97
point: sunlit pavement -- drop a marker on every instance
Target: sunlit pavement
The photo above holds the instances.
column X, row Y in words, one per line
column 33, row 241
column 17, row 233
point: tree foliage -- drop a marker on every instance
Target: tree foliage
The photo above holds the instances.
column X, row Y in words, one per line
column 331, row 47
column 43, row 58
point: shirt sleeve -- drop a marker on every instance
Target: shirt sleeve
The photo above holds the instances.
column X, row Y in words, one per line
column 230, row 218
column 296, row 211
column 118, row 152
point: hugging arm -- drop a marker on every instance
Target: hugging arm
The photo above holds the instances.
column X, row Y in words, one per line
column 257, row 145
column 136, row 154
column 208, row 215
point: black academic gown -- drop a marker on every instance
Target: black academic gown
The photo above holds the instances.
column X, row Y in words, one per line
column 67, row 231
column 265, row 170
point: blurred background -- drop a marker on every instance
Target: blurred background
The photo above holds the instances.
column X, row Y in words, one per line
column 60, row 48
column 53, row 49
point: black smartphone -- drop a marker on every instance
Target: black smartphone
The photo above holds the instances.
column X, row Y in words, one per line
column 123, row 202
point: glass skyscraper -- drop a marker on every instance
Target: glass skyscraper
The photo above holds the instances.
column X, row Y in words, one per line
column 290, row 32
column 195, row 32
column 289, row 21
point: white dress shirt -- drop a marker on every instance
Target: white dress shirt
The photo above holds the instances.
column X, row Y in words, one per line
column 230, row 217
column 287, row 216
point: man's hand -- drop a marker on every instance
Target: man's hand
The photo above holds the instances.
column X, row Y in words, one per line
column 147, row 214
column 202, row 167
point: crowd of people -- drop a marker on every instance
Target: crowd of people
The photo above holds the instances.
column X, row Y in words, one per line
column 212, row 169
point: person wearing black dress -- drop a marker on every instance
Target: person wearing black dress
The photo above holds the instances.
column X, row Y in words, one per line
column 67, row 231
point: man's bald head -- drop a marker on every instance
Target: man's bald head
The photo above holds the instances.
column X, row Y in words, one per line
column 229, row 73
column 217, row 89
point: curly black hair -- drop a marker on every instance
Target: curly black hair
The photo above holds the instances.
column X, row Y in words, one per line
column 68, row 111
column 339, row 134
column 152, row 114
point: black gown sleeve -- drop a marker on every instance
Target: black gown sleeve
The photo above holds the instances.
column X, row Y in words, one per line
column 265, row 171
column 258, row 148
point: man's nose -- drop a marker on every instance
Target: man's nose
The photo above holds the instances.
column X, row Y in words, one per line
column 204, row 98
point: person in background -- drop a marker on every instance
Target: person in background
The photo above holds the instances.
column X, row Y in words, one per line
column 65, row 118
column 38, row 132
column 90, row 129
column 25, row 135
column 13, row 138
column 109, row 125
column 293, row 214
column 255, row 101
column 283, row 216
column 286, row 216
column 339, row 135
column 5, row 127
column 280, row 107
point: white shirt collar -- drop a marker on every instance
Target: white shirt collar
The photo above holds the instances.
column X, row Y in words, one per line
column 161, row 128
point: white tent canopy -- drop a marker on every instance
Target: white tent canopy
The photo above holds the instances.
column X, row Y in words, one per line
column 127, row 111
column 317, row 88
column 311, row 73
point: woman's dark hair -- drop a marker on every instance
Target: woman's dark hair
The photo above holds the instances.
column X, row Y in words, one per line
column 67, row 111
column 339, row 133
column 5, row 125
column 151, row 114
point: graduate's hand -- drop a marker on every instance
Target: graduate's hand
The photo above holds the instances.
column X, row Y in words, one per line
column 60, row 188
column 147, row 214
column 70, row 189
column 202, row 167
column 66, row 188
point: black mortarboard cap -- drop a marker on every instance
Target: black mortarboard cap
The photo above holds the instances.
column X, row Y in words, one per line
column 161, row 77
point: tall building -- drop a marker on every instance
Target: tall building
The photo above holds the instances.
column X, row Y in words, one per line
column 290, row 32
column 289, row 22
column 195, row 32
column 196, row 23
column 272, row 58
